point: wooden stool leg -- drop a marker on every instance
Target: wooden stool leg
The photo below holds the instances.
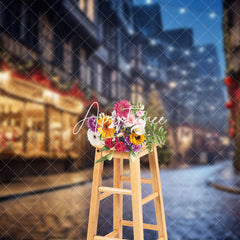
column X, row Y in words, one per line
column 158, row 201
column 135, row 174
column 117, row 198
column 94, row 205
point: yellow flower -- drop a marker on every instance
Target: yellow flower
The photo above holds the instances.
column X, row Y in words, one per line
column 137, row 139
column 104, row 123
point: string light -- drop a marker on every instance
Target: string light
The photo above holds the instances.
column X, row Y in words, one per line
column 182, row 10
column 212, row 15
column 201, row 49
column 153, row 42
column 187, row 52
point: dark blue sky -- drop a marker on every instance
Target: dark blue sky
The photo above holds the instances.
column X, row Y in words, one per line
column 203, row 16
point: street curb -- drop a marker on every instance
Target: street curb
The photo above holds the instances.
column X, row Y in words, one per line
column 44, row 190
column 225, row 188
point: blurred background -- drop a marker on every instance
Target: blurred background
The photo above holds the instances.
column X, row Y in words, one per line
column 179, row 58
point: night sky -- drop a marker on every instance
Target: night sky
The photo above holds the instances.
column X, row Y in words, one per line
column 203, row 16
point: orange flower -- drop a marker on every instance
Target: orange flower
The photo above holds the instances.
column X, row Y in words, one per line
column 104, row 123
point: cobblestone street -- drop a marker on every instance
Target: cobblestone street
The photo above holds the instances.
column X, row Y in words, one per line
column 193, row 210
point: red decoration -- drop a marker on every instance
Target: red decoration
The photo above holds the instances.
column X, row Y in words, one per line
column 231, row 132
column 228, row 80
column 229, row 104
column 38, row 76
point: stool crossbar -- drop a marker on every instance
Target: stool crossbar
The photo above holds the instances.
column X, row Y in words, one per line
column 100, row 192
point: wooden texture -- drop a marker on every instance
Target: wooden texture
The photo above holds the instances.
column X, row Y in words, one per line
column 158, row 201
column 115, row 190
column 94, row 205
column 143, row 180
column 145, row 225
column 117, row 198
column 135, row 175
column 150, row 198
column 100, row 192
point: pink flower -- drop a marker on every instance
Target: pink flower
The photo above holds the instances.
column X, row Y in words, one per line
column 140, row 122
column 122, row 108
column 140, row 113
column 130, row 120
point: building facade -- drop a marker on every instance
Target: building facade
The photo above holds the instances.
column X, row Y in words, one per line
column 231, row 29
column 57, row 58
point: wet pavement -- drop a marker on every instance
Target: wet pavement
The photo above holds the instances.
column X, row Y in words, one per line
column 193, row 210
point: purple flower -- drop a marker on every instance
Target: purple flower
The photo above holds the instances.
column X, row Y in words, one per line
column 92, row 124
column 127, row 140
column 136, row 148
column 126, row 148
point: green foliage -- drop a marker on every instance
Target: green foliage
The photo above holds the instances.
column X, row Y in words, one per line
column 154, row 134
column 132, row 156
column 106, row 157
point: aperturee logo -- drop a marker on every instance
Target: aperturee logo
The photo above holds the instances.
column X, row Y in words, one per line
column 127, row 129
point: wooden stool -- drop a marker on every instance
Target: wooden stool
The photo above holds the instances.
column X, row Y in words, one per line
column 100, row 192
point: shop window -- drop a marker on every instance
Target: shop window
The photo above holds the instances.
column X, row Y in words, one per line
column 55, row 131
column 33, row 132
column 11, row 139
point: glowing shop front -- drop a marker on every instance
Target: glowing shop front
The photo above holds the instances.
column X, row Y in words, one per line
column 36, row 126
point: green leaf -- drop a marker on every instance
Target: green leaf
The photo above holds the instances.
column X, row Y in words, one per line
column 132, row 156
column 109, row 156
column 104, row 148
column 106, row 157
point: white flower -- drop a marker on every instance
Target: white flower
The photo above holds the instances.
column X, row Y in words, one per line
column 138, row 129
column 94, row 138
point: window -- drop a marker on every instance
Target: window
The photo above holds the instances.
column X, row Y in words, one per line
column 75, row 60
column 31, row 35
column 87, row 6
column 67, row 56
column 114, row 84
column 99, row 78
column 58, row 49
column 11, row 17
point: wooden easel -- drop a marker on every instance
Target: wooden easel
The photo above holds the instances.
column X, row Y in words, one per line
column 100, row 192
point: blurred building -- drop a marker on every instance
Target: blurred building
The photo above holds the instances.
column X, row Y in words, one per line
column 44, row 70
column 231, row 28
column 56, row 59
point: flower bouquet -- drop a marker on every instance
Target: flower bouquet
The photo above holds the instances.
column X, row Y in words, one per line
column 126, row 130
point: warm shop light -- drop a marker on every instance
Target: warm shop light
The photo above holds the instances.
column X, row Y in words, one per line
column 172, row 84
column 49, row 95
column 4, row 76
